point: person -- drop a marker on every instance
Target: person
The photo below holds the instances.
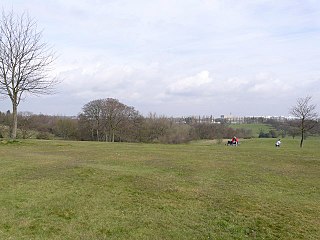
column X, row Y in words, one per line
column 278, row 143
column 234, row 140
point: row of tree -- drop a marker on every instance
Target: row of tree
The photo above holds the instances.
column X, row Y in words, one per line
column 112, row 121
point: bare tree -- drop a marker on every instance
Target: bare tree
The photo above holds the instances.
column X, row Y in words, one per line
column 24, row 61
column 108, row 120
column 115, row 116
column 305, row 111
column 66, row 128
column 92, row 114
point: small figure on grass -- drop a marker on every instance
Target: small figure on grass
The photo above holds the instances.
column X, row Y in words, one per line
column 234, row 141
column 278, row 143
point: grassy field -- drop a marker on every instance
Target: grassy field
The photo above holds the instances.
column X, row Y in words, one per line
column 89, row 190
column 256, row 128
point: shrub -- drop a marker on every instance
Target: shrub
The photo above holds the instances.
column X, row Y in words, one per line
column 45, row 136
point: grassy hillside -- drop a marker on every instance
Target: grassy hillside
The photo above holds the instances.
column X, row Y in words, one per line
column 254, row 127
column 89, row 190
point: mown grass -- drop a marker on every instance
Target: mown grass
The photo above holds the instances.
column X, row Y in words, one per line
column 89, row 190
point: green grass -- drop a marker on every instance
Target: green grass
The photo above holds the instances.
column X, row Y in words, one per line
column 256, row 128
column 90, row 190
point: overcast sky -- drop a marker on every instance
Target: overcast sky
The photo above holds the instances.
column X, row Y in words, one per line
column 179, row 57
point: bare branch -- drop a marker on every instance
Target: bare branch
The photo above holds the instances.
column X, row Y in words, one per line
column 305, row 111
column 25, row 60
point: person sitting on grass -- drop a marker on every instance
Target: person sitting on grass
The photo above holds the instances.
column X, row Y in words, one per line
column 234, row 140
column 278, row 143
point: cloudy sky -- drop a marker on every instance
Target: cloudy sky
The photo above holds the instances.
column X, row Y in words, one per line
column 179, row 57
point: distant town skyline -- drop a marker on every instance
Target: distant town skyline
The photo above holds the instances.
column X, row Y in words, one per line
column 178, row 58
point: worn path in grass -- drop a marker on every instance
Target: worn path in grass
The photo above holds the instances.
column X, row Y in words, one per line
column 88, row 190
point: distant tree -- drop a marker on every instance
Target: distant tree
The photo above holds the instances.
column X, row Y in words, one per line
column 24, row 61
column 66, row 128
column 156, row 127
column 213, row 131
column 305, row 111
column 91, row 116
column 243, row 133
column 115, row 116
column 177, row 133
column 25, row 119
column 293, row 130
column 262, row 134
column 108, row 120
column 133, row 129
column 161, row 129
column 5, row 118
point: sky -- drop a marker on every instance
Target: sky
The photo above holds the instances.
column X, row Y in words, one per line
column 178, row 57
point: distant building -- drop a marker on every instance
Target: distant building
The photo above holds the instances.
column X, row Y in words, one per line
column 230, row 119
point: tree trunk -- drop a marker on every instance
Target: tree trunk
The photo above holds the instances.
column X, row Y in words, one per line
column 15, row 120
column 302, row 132
column 302, row 137
column 92, row 134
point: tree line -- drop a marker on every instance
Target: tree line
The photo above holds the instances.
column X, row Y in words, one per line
column 109, row 120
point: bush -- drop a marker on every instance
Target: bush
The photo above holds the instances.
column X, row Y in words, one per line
column 4, row 131
column 177, row 134
column 270, row 134
column 45, row 136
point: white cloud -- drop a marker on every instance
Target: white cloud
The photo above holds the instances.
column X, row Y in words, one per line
column 194, row 84
column 185, row 56
column 266, row 84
